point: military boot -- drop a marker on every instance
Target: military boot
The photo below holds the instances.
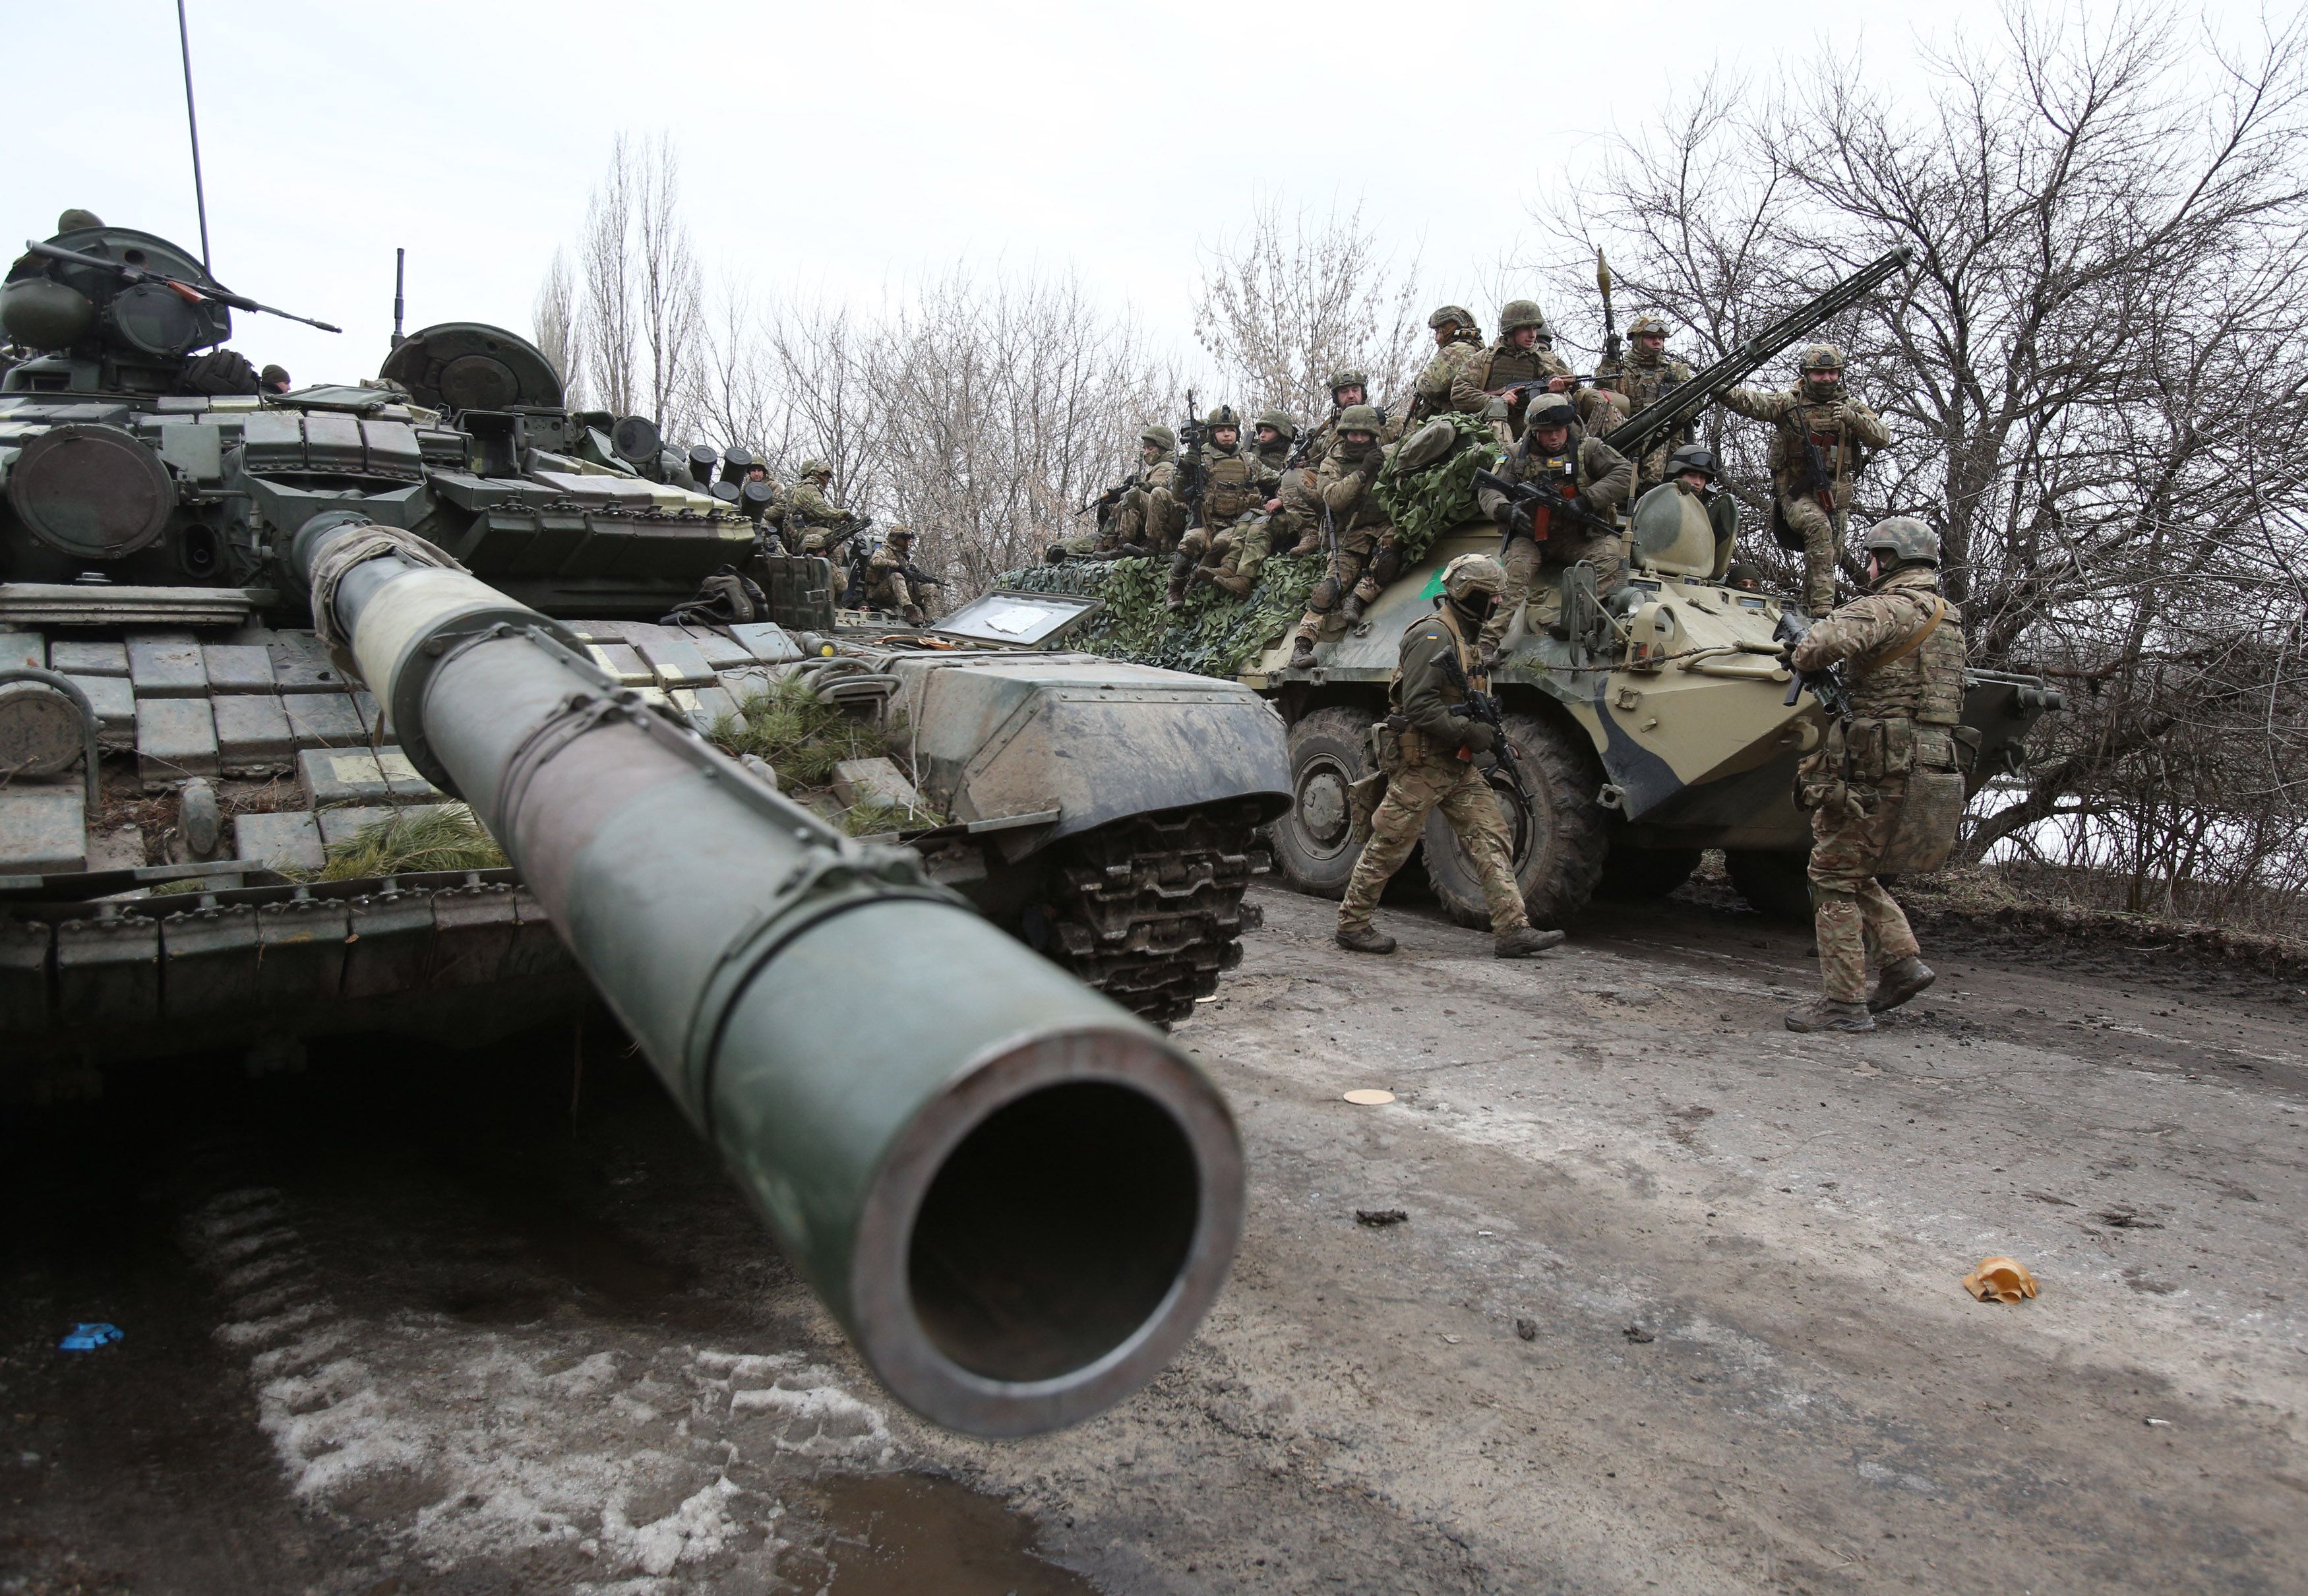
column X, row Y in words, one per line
column 1523, row 942
column 1302, row 653
column 1236, row 586
column 1901, row 979
column 1827, row 1014
column 913, row 613
column 1182, row 567
column 1352, row 610
column 1365, row 939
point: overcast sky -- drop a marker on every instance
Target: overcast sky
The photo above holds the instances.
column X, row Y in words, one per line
column 842, row 147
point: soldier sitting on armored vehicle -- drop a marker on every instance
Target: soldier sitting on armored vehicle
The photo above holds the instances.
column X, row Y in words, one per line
column 1238, row 555
column 1820, row 443
column 273, row 379
column 1363, row 557
column 816, row 516
column 1522, row 362
column 1237, row 484
column 891, row 581
column 1592, row 479
column 1349, row 388
column 1458, row 345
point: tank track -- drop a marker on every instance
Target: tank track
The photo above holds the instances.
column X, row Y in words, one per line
column 1149, row 910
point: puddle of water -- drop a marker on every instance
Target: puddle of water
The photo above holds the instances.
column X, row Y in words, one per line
column 916, row 1535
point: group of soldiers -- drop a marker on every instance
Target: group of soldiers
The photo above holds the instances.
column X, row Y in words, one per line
column 1899, row 645
column 809, row 519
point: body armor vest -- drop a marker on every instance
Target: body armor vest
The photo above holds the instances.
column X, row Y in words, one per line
column 1503, row 364
column 1228, row 488
column 1452, row 694
column 1640, row 384
column 1837, row 446
column 1925, row 683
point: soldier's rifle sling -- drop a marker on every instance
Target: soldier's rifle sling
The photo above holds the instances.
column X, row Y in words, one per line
column 1635, row 437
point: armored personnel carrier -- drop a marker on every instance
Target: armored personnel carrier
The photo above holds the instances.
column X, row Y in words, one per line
column 187, row 763
column 1649, row 724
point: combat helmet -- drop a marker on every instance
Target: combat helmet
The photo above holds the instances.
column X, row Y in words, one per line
column 896, row 532
column 1222, row 415
column 1523, row 313
column 1694, row 457
column 1359, row 417
column 1821, row 356
column 1649, row 322
column 1473, row 572
column 77, row 221
column 1281, row 420
column 1348, row 378
column 816, row 468
column 1902, row 540
column 1159, row 436
column 1552, row 409
column 1449, row 314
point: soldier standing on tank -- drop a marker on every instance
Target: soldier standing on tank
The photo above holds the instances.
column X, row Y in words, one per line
column 1426, row 748
column 1363, row 557
column 815, row 514
column 1589, row 474
column 1821, row 445
column 1524, row 355
column 887, row 585
column 1238, row 484
column 1458, row 345
column 1901, row 649
column 1636, row 379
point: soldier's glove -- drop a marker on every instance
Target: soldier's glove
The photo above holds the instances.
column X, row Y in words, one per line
column 1825, row 417
column 1511, row 516
column 1479, row 738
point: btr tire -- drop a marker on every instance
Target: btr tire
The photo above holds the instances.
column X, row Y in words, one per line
column 1558, row 845
column 1314, row 847
column 1634, row 875
column 1776, row 885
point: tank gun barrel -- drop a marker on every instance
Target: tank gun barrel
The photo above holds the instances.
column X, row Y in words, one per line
column 191, row 292
column 1636, row 435
column 1017, row 1198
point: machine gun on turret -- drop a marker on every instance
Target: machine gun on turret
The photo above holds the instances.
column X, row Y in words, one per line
column 191, row 293
column 1641, row 432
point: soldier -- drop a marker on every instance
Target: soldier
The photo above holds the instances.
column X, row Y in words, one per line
column 1637, row 378
column 1458, row 344
column 1425, row 748
column 1586, row 471
column 1693, row 469
column 1746, row 577
column 77, row 221
column 887, row 585
column 1363, row 555
column 1142, row 524
column 812, row 513
column 1236, row 557
column 1820, row 449
column 1237, row 484
column 273, row 379
column 1523, row 356
column 768, row 513
column 1902, row 648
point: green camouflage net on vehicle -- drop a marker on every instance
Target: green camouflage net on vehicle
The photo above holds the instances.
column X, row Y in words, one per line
column 1215, row 633
column 1427, row 503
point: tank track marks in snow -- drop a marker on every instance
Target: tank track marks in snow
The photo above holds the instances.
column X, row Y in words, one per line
column 1150, row 909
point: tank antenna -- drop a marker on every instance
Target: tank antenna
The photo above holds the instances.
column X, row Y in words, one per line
column 199, row 199
column 399, row 264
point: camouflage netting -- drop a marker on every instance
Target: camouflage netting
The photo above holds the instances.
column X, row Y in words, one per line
column 1214, row 634
column 1429, row 501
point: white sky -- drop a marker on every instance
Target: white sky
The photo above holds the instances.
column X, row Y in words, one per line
column 842, row 147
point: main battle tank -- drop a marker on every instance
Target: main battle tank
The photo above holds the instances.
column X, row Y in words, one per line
column 247, row 621
column 1102, row 812
column 1651, row 723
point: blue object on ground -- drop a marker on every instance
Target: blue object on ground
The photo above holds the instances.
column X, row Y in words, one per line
column 88, row 1338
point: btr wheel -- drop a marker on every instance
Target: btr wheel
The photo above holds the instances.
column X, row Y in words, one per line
column 1314, row 847
column 1557, row 844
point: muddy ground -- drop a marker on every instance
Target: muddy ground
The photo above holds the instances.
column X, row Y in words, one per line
column 1675, row 1307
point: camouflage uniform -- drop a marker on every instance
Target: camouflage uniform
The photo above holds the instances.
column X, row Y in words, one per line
column 887, row 586
column 1236, row 557
column 1434, row 392
column 1857, row 782
column 1236, row 484
column 1118, row 523
column 1364, row 558
column 1427, row 772
column 813, row 514
column 1845, row 431
column 1506, row 364
column 1636, row 379
column 1584, row 466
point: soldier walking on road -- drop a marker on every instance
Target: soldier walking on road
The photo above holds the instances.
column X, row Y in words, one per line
column 1363, row 557
column 1426, row 748
column 1901, row 649
column 1821, row 445
column 1524, row 355
column 1589, row 475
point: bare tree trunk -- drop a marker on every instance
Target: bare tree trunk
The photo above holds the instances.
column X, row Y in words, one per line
column 560, row 335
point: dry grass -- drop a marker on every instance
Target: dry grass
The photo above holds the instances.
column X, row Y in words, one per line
column 411, row 841
column 802, row 736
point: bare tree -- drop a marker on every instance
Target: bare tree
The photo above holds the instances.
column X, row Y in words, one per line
column 611, row 332
column 642, row 300
column 559, row 334
column 1295, row 298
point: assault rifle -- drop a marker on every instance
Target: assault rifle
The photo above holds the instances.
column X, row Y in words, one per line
column 1834, row 697
column 190, row 292
column 1483, row 708
column 1191, row 472
column 1531, row 496
column 1640, row 432
column 1111, row 497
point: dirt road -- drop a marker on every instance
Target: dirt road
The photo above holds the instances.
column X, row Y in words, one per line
column 1675, row 1307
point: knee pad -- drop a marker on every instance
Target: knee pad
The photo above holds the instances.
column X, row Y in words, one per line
column 1384, row 565
column 1324, row 596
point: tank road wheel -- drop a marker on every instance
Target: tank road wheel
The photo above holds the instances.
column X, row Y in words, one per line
column 1149, row 910
column 1637, row 874
column 1314, row 845
column 1558, row 849
column 1775, row 885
